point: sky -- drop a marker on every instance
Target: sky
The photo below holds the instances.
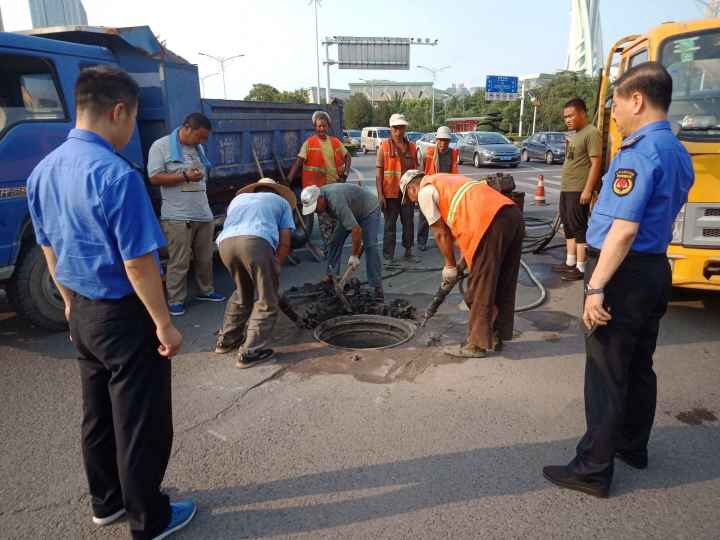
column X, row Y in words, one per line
column 475, row 37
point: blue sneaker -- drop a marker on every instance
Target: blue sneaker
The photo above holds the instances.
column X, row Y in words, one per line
column 212, row 297
column 181, row 513
column 176, row 309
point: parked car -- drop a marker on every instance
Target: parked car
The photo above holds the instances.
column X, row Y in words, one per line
column 413, row 136
column 428, row 140
column 372, row 137
column 548, row 146
column 351, row 139
column 487, row 148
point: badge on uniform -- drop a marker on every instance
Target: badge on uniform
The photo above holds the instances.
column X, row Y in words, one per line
column 624, row 182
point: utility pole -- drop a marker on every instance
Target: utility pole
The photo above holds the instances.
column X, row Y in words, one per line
column 317, row 50
column 522, row 109
column 221, row 60
column 712, row 7
column 434, row 72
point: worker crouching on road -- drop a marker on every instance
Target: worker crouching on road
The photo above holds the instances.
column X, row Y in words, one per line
column 439, row 158
column 324, row 160
column 253, row 245
column 357, row 212
column 395, row 156
column 488, row 228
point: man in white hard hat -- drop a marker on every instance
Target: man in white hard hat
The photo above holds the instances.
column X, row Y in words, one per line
column 395, row 156
column 357, row 212
column 254, row 242
column 439, row 158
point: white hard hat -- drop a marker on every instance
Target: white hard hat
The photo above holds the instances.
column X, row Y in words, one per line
column 407, row 178
column 309, row 198
column 398, row 119
column 443, row 132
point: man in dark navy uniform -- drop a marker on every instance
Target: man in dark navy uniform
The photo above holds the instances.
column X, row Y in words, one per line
column 628, row 281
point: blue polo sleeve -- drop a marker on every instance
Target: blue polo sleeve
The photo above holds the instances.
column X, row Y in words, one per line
column 130, row 216
column 632, row 181
column 286, row 219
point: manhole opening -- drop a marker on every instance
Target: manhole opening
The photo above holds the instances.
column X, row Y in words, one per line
column 362, row 332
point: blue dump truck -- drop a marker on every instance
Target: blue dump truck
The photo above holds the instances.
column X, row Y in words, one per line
column 38, row 70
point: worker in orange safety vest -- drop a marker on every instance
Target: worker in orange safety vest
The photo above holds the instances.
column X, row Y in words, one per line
column 488, row 228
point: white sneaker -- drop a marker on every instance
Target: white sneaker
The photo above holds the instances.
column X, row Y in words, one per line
column 104, row 521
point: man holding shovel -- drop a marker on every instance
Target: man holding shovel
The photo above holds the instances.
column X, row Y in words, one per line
column 357, row 212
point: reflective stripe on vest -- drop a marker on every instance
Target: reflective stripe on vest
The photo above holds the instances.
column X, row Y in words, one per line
column 392, row 168
column 314, row 172
column 458, row 197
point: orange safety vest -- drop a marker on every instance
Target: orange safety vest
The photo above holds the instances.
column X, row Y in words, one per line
column 467, row 207
column 392, row 168
column 314, row 171
column 432, row 161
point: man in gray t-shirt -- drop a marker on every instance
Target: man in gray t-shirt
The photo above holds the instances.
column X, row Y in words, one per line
column 177, row 163
column 357, row 212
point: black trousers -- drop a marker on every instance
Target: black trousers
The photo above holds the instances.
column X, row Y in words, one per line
column 406, row 213
column 620, row 384
column 127, row 412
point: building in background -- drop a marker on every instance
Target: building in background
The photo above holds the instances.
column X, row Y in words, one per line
column 2, row 27
column 57, row 13
column 530, row 82
column 457, row 90
column 585, row 47
column 335, row 93
column 381, row 90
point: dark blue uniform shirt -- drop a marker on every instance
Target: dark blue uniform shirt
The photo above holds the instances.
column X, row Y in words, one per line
column 648, row 183
column 92, row 208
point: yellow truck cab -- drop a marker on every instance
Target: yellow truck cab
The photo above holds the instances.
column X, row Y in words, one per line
column 691, row 53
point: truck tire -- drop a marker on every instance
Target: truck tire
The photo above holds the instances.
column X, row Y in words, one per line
column 33, row 292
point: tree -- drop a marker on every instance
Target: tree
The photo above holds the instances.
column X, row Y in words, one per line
column 263, row 92
column 266, row 92
column 556, row 93
column 358, row 112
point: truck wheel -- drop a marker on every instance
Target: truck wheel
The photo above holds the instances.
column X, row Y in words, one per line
column 33, row 293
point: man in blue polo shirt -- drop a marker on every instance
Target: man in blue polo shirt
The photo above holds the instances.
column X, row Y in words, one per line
column 628, row 281
column 96, row 226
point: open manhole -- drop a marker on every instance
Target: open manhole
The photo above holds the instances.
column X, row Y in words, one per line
column 362, row 332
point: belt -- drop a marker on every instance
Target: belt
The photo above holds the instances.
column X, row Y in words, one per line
column 632, row 255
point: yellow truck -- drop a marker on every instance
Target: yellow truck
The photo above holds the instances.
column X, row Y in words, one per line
column 691, row 53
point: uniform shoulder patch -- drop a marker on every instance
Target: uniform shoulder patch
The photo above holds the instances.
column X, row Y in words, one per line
column 629, row 142
column 624, row 181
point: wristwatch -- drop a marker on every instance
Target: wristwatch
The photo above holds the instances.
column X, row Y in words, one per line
column 589, row 291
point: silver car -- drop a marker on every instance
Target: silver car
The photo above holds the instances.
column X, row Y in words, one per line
column 487, row 148
column 428, row 140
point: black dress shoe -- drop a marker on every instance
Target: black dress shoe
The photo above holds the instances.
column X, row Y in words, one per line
column 562, row 476
column 572, row 275
column 637, row 460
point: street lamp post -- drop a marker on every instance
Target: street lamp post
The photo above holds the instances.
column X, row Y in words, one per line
column 434, row 72
column 221, row 60
column 202, row 82
column 317, row 52
column 535, row 101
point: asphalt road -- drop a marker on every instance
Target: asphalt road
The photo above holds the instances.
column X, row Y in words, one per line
column 394, row 444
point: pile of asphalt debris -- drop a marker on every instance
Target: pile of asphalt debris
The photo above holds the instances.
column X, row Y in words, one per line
column 317, row 302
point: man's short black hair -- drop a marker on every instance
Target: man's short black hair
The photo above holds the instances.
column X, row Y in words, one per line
column 577, row 103
column 99, row 88
column 652, row 80
column 197, row 120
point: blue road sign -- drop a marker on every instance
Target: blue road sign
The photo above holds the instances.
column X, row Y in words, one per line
column 501, row 84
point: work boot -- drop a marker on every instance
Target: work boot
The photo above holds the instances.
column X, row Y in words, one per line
column 250, row 359
column 564, row 477
column 422, row 247
column 409, row 256
column 573, row 275
column 465, row 351
column 562, row 268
